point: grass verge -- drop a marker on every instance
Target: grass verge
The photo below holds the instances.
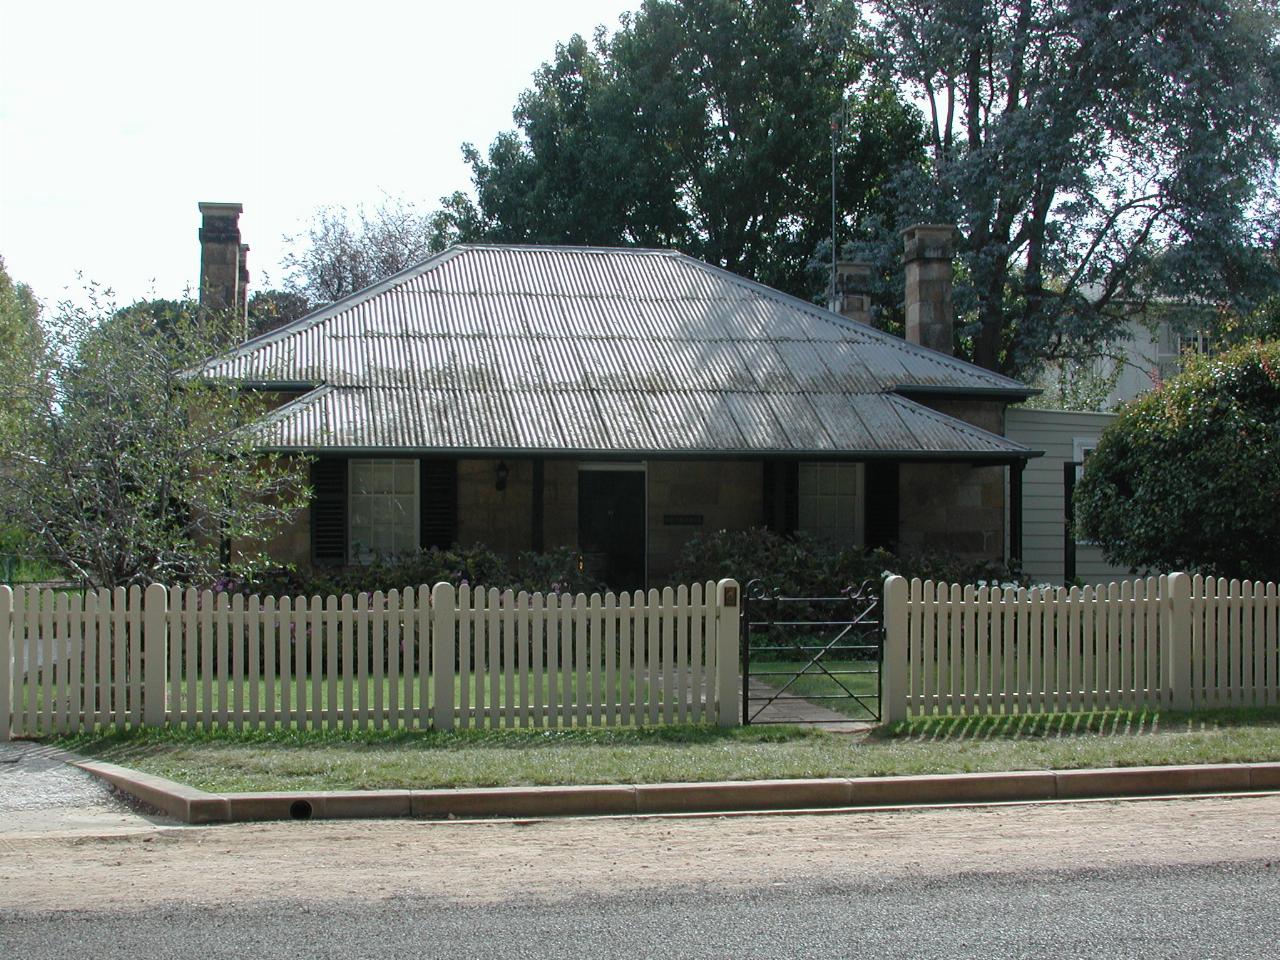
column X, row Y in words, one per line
column 293, row 760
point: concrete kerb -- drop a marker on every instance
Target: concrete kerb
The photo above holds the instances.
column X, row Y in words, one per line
column 198, row 807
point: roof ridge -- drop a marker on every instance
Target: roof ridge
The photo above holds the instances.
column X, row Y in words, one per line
column 972, row 378
column 835, row 319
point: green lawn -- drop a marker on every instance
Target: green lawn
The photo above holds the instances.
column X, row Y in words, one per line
column 834, row 679
column 288, row 760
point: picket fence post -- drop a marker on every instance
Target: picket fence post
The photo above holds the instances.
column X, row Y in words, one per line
column 155, row 649
column 443, row 652
column 728, row 599
column 6, row 661
column 894, row 666
column 1177, row 646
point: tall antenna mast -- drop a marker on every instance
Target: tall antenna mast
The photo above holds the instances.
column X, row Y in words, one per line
column 835, row 129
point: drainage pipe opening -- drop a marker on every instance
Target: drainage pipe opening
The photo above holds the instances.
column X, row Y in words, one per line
column 300, row 809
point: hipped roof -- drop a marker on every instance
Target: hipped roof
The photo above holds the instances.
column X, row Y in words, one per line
column 602, row 352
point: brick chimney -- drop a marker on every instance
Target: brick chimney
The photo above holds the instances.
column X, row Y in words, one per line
column 927, row 252
column 224, row 271
column 852, row 295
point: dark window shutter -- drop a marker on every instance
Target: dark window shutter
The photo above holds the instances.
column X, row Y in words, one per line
column 882, row 504
column 791, row 496
column 438, row 502
column 329, row 510
column 781, row 495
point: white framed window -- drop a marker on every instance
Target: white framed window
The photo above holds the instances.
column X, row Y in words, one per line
column 1082, row 448
column 830, row 501
column 1197, row 343
column 382, row 508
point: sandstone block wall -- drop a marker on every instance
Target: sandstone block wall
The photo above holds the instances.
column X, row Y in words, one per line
column 690, row 496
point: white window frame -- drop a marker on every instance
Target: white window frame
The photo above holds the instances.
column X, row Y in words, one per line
column 859, row 497
column 416, row 532
column 1081, row 447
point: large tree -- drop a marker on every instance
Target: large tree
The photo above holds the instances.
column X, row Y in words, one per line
column 703, row 125
column 128, row 469
column 1094, row 154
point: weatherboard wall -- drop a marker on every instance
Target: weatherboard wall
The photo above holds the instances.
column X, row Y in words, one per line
column 1055, row 432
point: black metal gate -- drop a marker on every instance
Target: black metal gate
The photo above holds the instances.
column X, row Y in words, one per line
column 811, row 659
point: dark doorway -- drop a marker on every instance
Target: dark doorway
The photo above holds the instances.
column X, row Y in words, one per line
column 611, row 526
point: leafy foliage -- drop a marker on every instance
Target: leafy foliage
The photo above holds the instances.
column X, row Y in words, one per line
column 20, row 343
column 553, row 572
column 127, row 470
column 801, row 565
column 344, row 251
column 703, row 126
column 1188, row 476
column 1094, row 154
column 269, row 309
column 20, row 340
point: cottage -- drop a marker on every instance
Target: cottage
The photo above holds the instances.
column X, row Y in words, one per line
column 620, row 400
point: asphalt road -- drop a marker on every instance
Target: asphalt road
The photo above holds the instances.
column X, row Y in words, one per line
column 1227, row 910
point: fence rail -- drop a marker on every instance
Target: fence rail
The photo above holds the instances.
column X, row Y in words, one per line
column 1172, row 641
column 412, row 659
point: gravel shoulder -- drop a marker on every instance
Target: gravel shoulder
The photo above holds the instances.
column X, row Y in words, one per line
column 553, row 861
column 41, row 793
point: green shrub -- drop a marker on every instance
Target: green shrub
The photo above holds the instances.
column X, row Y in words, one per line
column 476, row 565
column 802, row 565
column 1188, row 476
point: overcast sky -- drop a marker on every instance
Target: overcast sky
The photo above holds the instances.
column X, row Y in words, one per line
column 117, row 117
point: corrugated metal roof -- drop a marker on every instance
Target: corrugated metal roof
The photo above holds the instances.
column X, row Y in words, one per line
column 635, row 422
column 601, row 350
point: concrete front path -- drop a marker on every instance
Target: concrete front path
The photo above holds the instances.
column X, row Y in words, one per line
column 42, row 793
column 788, row 709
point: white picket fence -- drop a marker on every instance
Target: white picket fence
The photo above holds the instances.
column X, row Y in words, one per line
column 412, row 659
column 1172, row 641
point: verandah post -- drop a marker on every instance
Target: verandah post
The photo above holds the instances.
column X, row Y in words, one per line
column 1177, row 640
column 6, row 661
column 155, row 650
column 894, row 666
column 443, row 652
column 728, row 599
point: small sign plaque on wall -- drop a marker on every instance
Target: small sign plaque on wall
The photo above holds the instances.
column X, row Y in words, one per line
column 682, row 519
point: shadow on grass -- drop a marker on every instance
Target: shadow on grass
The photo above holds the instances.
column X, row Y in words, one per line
column 123, row 744
column 1063, row 725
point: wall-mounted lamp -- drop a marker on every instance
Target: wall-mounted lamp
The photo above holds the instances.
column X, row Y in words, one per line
column 500, row 475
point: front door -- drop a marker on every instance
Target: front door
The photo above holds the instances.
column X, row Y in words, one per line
column 611, row 525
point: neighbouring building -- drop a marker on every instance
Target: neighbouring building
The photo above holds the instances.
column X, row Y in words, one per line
column 1050, row 552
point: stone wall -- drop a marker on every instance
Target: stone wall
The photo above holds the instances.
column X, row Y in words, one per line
column 955, row 507
column 692, row 496
column 292, row 543
column 500, row 519
column 560, row 504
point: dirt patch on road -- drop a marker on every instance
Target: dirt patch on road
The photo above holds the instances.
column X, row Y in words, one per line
column 480, row 862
